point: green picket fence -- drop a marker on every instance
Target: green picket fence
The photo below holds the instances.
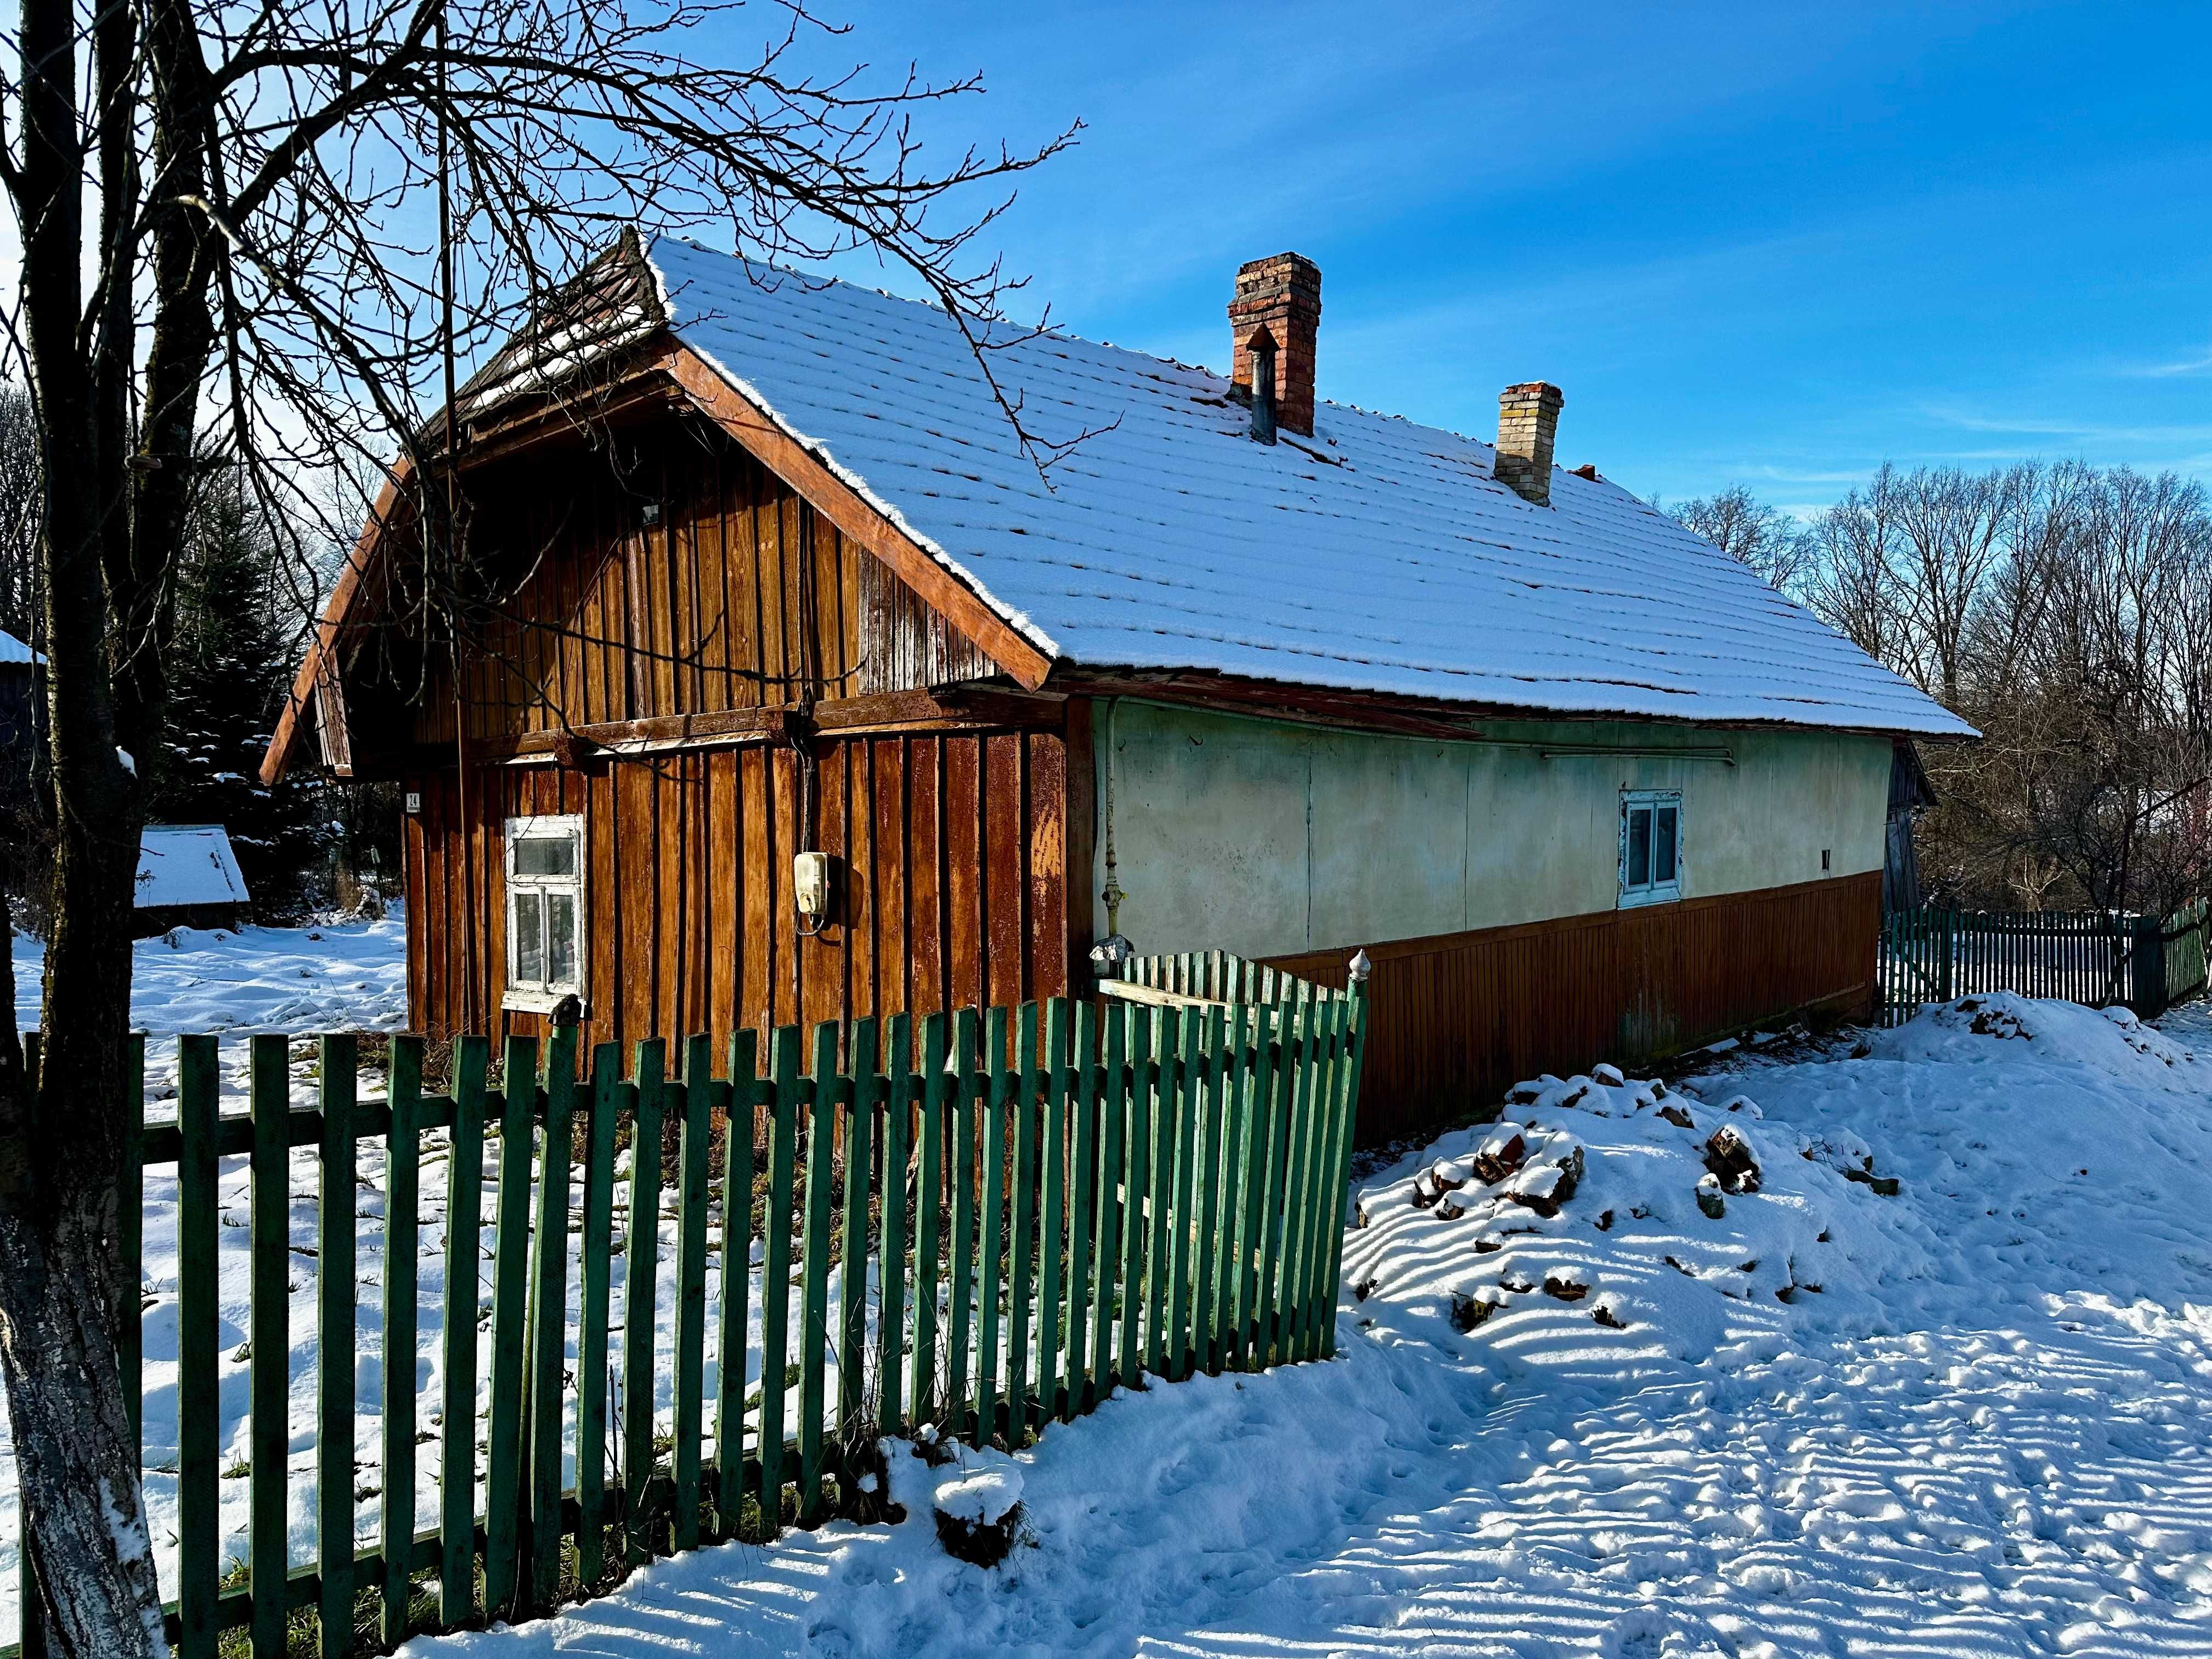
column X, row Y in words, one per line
column 1027, row 1208
column 2187, row 935
column 2099, row 958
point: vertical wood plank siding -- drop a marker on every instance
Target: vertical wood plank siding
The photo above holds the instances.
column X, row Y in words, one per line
column 674, row 576
column 1456, row 1020
column 951, row 884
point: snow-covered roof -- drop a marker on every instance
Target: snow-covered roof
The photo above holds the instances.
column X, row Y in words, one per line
column 1378, row 555
column 14, row 651
column 187, row 864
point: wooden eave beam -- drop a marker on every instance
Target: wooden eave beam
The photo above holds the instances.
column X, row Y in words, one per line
column 962, row 708
column 1383, row 711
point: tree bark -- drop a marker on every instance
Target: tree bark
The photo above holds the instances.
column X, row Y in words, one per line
column 62, row 1294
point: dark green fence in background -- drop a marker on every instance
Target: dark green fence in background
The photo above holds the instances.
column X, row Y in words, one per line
column 2099, row 958
column 1030, row 1206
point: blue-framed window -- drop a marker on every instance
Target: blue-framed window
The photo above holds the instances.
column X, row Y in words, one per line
column 1650, row 846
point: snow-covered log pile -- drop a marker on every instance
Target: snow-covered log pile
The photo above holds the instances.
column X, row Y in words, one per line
column 1622, row 1204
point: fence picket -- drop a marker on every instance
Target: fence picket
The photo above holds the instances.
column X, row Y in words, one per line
column 861, row 1059
column 733, row 1340
column 814, row 1258
column 1083, row 1154
column 1355, row 1019
column 1052, row 1227
column 510, row 1280
column 548, row 1319
column 891, row 1249
column 959, row 1396
column 776, row 1273
column 696, row 1103
column 270, row 1384
column 928, row 1402
column 1209, row 1082
column 988, row 1337
column 595, row 1249
column 1107, row 1210
column 640, row 1290
column 402, row 1174
column 1159, row 1180
column 457, row 1464
column 1022, row 1246
column 1135, row 1171
column 1182, row 1204
column 198, row 1400
column 334, row 1347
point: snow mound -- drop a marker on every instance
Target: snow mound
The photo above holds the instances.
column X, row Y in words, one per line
column 1985, row 1028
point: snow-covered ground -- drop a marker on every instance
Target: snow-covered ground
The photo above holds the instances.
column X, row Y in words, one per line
column 1969, row 1418
column 1976, row 1423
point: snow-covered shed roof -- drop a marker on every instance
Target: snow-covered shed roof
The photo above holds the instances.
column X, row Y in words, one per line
column 1380, row 555
column 14, row 652
column 182, row 864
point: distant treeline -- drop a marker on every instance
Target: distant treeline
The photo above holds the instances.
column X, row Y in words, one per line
column 2066, row 610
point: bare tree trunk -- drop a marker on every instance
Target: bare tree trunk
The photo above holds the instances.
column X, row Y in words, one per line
column 62, row 1297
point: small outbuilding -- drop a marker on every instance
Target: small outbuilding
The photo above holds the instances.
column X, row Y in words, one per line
column 188, row 877
column 781, row 682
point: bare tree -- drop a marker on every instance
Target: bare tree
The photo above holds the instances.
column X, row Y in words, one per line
column 251, row 232
column 2067, row 612
column 1776, row 547
column 1853, row 583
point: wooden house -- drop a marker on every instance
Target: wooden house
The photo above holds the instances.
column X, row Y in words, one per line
column 769, row 679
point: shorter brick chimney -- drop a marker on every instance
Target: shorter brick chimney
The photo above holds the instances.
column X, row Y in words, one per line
column 1277, row 315
column 1528, row 422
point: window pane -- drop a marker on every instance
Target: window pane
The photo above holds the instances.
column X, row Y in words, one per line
column 545, row 855
column 529, row 941
column 1662, row 849
column 561, row 941
column 1639, row 846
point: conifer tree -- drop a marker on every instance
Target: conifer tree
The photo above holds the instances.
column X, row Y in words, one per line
column 230, row 661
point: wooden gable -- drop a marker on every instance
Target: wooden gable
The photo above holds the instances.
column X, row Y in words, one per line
column 657, row 550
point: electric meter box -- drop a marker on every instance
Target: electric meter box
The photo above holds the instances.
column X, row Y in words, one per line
column 810, row 884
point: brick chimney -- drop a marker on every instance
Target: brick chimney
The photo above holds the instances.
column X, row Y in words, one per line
column 1276, row 315
column 1528, row 422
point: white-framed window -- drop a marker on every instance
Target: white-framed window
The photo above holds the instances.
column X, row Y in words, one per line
column 1650, row 846
column 546, row 914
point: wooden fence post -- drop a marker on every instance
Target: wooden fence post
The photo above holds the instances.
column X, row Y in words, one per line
column 2147, row 966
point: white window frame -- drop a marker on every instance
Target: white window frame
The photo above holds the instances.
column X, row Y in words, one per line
column 540, row 997
column 1650, row 892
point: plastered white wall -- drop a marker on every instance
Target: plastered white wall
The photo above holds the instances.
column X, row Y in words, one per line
column 1264, row 838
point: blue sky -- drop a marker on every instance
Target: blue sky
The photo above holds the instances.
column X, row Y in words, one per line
column 1771, row 244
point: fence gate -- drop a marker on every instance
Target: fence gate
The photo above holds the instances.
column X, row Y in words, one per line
column 985, row 1222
